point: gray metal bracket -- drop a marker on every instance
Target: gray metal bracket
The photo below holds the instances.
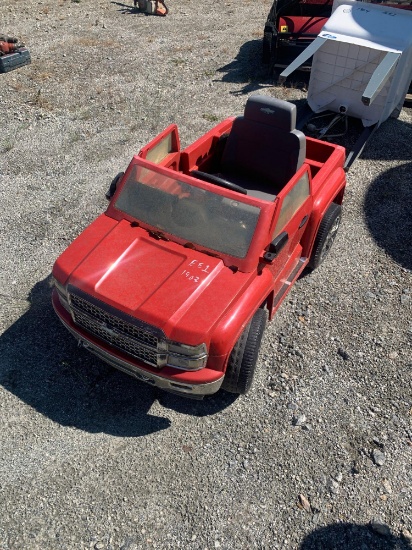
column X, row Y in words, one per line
column 379, row 77
column 300, row 60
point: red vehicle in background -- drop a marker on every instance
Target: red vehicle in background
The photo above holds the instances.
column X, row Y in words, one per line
column 292, row 25
column 12, row 54
column 173, row 284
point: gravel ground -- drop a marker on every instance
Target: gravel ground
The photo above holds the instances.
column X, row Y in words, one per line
column 318, row 454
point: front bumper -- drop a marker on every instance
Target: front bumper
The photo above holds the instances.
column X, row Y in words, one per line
column 183, row 382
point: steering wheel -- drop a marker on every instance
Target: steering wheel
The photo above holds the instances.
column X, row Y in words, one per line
column 211, row 178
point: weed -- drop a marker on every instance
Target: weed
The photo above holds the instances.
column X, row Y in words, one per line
column 85, row 114
column 7, row 145
column 74, row 137
column 41, row 101
column 135, row 127
column 182, row 49
column 17, row 86
column 92, row 41
column 210, row 118
column 42, row 76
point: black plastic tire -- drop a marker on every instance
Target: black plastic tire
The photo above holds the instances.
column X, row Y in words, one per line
column 242, row 362
column 326, row 235
column 267, row 47
column 113, row 186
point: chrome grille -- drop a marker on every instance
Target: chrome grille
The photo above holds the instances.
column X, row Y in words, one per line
column 126, row 328
column 117, row 332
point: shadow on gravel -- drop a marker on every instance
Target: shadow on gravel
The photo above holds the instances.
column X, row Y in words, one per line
column 387, row 210
column 206, row 407
column 248, row 69
column 126, row 8
column 42, row 365
column 349, row 536
column 391, row 141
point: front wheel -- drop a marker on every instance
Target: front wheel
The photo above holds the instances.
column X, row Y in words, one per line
column 242, row 361
column 326, row 235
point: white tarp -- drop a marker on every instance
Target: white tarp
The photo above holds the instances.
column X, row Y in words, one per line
column 362, row 63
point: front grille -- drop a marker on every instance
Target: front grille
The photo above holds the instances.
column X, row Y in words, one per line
column 113, row 321
column 119, row 330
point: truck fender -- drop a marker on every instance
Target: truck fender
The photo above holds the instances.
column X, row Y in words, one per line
column 230, row 327
column 331, row 192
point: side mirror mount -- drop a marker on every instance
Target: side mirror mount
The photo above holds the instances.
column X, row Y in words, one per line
column 275, row 247
column 113, row 186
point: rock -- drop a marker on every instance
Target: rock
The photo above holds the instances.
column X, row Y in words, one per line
column 343, row 354
column 299, row 420
column 405, row 297
column 379, row 527
column 378, row 457
column 304, row 503
column 387, row 486
column 334, row 487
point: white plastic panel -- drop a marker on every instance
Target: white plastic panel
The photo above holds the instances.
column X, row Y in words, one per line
column 356, row 39
column 338, row 81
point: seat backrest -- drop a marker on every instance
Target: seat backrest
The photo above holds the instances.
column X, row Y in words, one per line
column 264, row 143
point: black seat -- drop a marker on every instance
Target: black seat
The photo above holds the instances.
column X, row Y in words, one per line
column 263, row 150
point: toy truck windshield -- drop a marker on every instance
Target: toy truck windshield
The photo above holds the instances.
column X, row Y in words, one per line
column 188, row 212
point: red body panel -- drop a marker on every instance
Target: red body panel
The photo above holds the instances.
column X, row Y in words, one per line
column 293, row 25
column 301, row 25
column 184, row 294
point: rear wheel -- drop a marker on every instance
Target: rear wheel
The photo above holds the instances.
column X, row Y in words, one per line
column 242, row 362
column 267, row 50
column 326, row 235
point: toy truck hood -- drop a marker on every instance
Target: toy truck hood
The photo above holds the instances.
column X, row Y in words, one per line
column 182, row 291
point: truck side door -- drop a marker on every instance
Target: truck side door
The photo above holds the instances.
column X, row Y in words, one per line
column 294, row 208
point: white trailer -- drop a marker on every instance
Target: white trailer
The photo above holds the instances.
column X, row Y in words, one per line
column 362, row 65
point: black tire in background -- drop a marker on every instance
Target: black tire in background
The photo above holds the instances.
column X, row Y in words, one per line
column 267, row 47
column 326, row 235
column 242, row 362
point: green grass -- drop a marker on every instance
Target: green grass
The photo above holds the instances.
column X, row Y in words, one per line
column 210, row 118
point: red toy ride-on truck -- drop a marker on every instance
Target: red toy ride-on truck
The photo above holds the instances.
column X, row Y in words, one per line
column 174, row 282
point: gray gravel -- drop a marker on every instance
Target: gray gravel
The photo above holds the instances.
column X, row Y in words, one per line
column 318, row 455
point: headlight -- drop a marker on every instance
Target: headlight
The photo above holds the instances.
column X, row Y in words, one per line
column 182, row 356
column 62, row 293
